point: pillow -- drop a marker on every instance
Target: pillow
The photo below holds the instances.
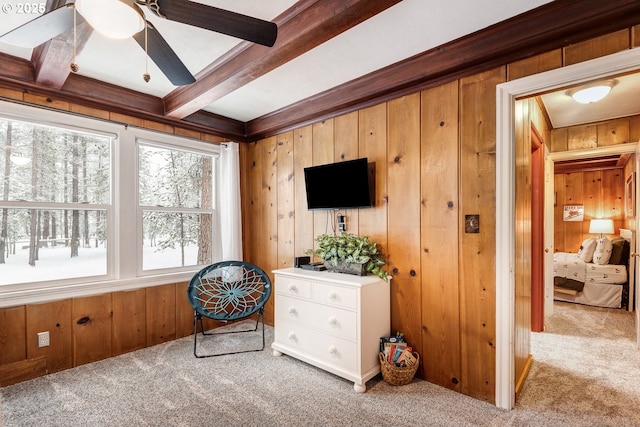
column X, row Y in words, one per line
column 626, row 253
column 587, row 248
column 603, row 251
column 616, row 250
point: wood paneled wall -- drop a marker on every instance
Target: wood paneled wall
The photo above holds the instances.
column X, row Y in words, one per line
column 435, row 164
column 87, row 329
column 602, row 195
column 443, row 287
column 440, row 212
column 602, row 192
column 529, row 118
column 595, row 135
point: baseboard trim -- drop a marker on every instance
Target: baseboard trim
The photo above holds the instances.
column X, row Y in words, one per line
column 523, row 376
column 13, row 373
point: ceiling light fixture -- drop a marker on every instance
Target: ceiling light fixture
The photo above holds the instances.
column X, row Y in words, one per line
column 593, row 92
column 116, row 19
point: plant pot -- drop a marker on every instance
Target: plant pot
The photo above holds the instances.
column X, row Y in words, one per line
column 347, row 268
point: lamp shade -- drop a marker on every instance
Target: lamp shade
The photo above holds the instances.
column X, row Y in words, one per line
column 601, row 226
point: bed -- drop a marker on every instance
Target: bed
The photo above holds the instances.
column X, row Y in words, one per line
column 585, row 277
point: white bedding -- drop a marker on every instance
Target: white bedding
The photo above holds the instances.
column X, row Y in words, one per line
column 611, row 274
column 595, row 294
column 570, row 266
column 602, row 283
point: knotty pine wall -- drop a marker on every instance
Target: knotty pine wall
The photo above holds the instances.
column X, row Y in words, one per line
column 443, row 280
column 435, row 164
column 529, row 117
column 435, row 158
column 602, row 193
column 88, row 329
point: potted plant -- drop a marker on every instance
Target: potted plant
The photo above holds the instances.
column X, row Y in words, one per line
column 348, row 253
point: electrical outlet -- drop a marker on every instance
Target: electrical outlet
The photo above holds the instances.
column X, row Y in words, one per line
column 43, row 339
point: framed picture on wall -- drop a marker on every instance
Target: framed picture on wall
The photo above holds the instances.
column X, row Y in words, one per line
column 630, row 196
column 573, row 213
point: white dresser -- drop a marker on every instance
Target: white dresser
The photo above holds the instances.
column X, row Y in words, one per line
column 333, row 321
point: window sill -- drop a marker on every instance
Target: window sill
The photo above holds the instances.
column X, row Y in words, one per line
column 16, row 296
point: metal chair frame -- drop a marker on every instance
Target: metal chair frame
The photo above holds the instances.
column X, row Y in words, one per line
column 225, row 291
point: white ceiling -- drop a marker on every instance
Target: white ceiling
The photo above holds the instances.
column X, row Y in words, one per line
column 622, row 101
column 408, row 28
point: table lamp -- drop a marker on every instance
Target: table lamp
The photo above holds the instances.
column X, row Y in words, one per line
column 601, row 226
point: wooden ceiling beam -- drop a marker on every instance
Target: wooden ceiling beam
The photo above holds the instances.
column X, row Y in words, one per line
column 302, row 27
column 623, row 160
column 52, row 60
column 17, row 73
column 591, row 164
column 548, row 27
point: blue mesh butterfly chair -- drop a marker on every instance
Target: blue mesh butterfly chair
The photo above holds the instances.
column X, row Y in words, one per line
column 227, row 291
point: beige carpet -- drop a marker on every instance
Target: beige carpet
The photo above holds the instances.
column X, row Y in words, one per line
column 586, row 368
column 575, row 381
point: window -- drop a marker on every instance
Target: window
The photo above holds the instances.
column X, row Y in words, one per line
column 88, row 203
column 56, row 198
column 176, row 200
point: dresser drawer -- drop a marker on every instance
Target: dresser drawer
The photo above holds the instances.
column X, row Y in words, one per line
column 293, row 286
column 327, row 348
column 339, row 296
column 333, row 320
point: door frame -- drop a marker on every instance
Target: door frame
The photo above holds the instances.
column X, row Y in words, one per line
column 538, row 260
column 506, row 94
column 634, row 258
column 549, row 231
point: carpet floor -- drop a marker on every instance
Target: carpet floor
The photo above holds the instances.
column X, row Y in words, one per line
column 576, row 379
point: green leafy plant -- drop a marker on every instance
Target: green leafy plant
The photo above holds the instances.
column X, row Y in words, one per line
column 351, row 249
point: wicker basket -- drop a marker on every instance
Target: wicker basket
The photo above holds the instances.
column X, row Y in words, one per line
column 398, row 375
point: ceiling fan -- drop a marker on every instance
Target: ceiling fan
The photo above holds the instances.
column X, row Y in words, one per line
column 125, row 18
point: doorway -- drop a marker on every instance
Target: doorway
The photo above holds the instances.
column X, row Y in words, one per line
column 507, row 93
column 542, row 297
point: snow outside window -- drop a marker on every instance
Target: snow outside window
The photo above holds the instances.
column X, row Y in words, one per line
column 90, row 206
column 55, row 203
column 176, row 198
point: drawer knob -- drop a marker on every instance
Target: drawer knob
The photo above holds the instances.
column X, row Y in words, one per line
column 292, row 310
column 333, row 350
column 333, row 295
column 292, row 336
column 293, row 288
column 333, row 321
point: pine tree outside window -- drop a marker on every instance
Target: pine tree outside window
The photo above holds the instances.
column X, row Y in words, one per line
column 89, row 206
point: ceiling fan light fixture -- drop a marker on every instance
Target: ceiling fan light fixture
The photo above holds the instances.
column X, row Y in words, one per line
column 113, row 18
column 592, row 93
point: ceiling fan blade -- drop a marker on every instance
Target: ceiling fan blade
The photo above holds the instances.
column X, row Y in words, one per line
column 220, row 20
column 164, row 57
column 41, row 29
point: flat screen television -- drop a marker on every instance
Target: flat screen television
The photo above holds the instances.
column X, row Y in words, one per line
column 342, row 185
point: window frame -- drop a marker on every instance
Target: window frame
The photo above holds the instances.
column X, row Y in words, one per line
column 154, row 142
column 122, row 217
